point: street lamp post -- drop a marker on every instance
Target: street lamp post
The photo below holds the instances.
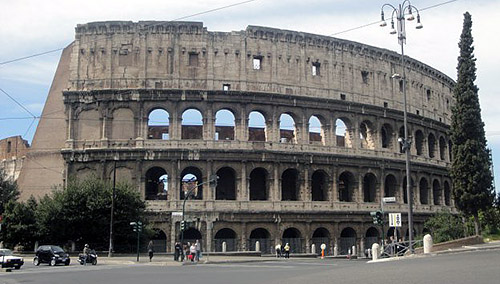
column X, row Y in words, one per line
column 399, row 13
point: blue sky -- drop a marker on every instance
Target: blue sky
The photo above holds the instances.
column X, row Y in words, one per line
column 30, row 27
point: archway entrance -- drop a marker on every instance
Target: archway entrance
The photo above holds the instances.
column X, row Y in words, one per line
column 292, row 236
column 191, row 235
column 228, row 236
column 159, row 241
column 371, row 237
column 262, row 236
column 319, row 237
column 347, row 240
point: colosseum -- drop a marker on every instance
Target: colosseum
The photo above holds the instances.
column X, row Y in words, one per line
column 301, row 129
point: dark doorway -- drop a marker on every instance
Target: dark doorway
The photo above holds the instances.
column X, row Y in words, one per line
column 319, row 186
column 289, row 185
column 292, row 237
column 347, row 240
column 319, row 237
column 226, row 184
column 369, row 188
column 260, row 235
column 228, row 236
column 258, row 184
column 155, row 186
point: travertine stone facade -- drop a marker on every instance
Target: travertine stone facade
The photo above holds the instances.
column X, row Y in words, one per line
column 307, row 146
column 12, row 154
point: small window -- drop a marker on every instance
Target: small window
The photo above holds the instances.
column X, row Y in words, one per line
column 447, row 104
column 401, row 85
column 9, row 146
column 428, row 95
column 386, row 104
column 418, row 112
column 226, row 87
column 342, row 97
column 316, row 68
column 257, row 63
column 364, row 76
column 193, row 59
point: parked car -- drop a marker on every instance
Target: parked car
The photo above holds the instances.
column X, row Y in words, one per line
column 9, row 260
column 52, row 255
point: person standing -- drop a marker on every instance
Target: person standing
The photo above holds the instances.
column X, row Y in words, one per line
column 287, row 250
column 278, row 250
column 186, row 250
column 177, row 251
column 192, row 250
column 198, row 250
column 150, row 250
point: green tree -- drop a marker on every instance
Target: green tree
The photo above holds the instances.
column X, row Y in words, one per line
column 8, row 191
column 19, row 224
column 445, row 226
column 470, row 170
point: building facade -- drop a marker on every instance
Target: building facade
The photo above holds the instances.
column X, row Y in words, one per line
column 302, row 131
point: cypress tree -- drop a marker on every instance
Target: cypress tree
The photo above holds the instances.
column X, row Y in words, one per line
column 471, row 165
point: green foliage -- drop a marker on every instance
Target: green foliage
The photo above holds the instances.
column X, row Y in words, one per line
column 471, row 164
column 445, row 226
column 8, row 191
column 19, row 223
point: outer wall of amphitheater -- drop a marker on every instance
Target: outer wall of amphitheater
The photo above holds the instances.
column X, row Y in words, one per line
column 301, row 129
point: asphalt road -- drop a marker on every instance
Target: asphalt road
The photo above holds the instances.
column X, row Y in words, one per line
column 467, row 267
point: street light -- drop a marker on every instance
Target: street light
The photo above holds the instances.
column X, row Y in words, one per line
column 398, row 13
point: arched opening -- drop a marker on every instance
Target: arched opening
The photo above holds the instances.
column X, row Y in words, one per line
column 319, row 186
column 419, row 142
column 226, row 184
column 290, row 185
column 319, row 237
column 156, row 184
column 292, row 237
column 224, row 125
column 258, row 184
column 159, row 241
column 123, row 124
column 386, row 136
column 343, row 133
column 262, row 236
column 431, row 145
column 347, row 240
column 442, row 148
column 315, row 130
column 346, row 187
column 449, row 150
column 391, row 236
column 191, row 177
column 424, row 191
column 158, row 124
column 390, row 186
column 366, row 135
column 436, row 192
column 287, row 129
column 256, row 126
column 191, row 235
column 405, row 192
column 447, row 194
column 192, row 124
column 371, row 237
column 407, row 234
column 228, row 236
column 369, row 188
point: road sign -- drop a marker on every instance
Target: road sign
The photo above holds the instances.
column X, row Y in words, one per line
column 389, row 199
column 395, row 219
column 178, row 214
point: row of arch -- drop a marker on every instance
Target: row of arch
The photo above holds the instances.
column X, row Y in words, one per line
column 290, row 188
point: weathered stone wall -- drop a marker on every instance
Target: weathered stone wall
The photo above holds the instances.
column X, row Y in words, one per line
column 12, row 155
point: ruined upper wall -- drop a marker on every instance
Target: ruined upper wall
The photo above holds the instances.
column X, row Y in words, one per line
column 184, row 55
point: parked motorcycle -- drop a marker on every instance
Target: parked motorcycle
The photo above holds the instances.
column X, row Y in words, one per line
column 89, row 258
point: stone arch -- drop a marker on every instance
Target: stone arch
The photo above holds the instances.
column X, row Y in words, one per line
column 226, row 184
column 419, row 142
column 346, row 185
column 191, row 235
column 442, row 148
column 369, row 188
column 123, row 174
column 263, row 237
column 229, row 237
column 190, row 177
column 372, row 236
column 159, row 124
column 401, row 136
column 449, row 150
column 390, row 186
column 436, row 192
column 290, row 185
column 224, row 125
column 293, row 237
column 319, row 185
column 316, row 131
column 405, row 192
column 390, row 234
column 386, row 136
column 123, row 124
column 347, row 240
column 447, row 194
column 156, row 184
column 424, row 191
column 321, row 236
column 89, row 125
column 159, row 240
column 192, row 124
column 258, row 184
column 366, row 135
column 431, row 142
column 287, row 128
column 343, row 132
column 256, row 126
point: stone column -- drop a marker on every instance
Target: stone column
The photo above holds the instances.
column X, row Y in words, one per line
column 361, row 196
column 209, row 124
column 244, row 195
column 306, row 187
column 243, row 239
column 208, row 241
column 276, row 196
column 209, row 191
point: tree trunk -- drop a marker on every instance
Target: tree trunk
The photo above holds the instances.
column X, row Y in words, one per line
column 477, row 226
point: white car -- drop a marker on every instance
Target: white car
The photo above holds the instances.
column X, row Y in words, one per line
column 8, row 260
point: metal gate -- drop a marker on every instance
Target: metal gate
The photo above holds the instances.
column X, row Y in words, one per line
column 318, row 241
column 345, row 244
column 230, row 244
column 294, row 243
column 265, row 245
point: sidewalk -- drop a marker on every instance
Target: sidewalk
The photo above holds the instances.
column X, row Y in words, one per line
column 167, row 260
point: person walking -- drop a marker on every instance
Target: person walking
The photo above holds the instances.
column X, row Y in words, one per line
column 192, row 250
column 177, row 251
column 278, row 250
column 287, row 250
column 198, row 250
column 186, row 251
column 150, row 250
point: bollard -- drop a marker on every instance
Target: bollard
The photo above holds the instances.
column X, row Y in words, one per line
column 349, row 254
column 257, row 246
column 375, row 251
column 427, row 243
column 224, row 246
column 313, row 248
column 369, row 252
column 335, row 250
column 323, row 247
column 353, row 250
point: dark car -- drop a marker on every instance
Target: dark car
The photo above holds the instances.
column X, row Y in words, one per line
column 52, row 255
column 8, row 260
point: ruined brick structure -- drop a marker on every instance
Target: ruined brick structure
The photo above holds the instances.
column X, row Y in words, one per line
column 12, row 154
column 308, row 145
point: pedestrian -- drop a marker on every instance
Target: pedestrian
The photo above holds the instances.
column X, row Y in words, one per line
column 177, row 251
column 186, row 251
column 198, row 250
column 278, row 250
column 150, row 250
column 287, row 250
column 192, row 250
column 283, row 251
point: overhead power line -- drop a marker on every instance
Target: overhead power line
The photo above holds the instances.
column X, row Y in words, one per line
column 18, row 103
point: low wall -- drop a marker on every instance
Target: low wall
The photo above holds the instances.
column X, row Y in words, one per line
column 454, row 244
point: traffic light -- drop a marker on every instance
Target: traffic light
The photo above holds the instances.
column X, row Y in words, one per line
column 136, row 226
column 378, row 217
column 183, row 225
column 374, row 217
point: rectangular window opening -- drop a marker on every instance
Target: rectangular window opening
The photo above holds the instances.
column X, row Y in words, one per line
column 193, row 59
column 316, row 68
column 226, row 87
column 342, row 97
column 257, row 62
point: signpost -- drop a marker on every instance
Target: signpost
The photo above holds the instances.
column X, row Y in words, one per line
column 395, row 219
